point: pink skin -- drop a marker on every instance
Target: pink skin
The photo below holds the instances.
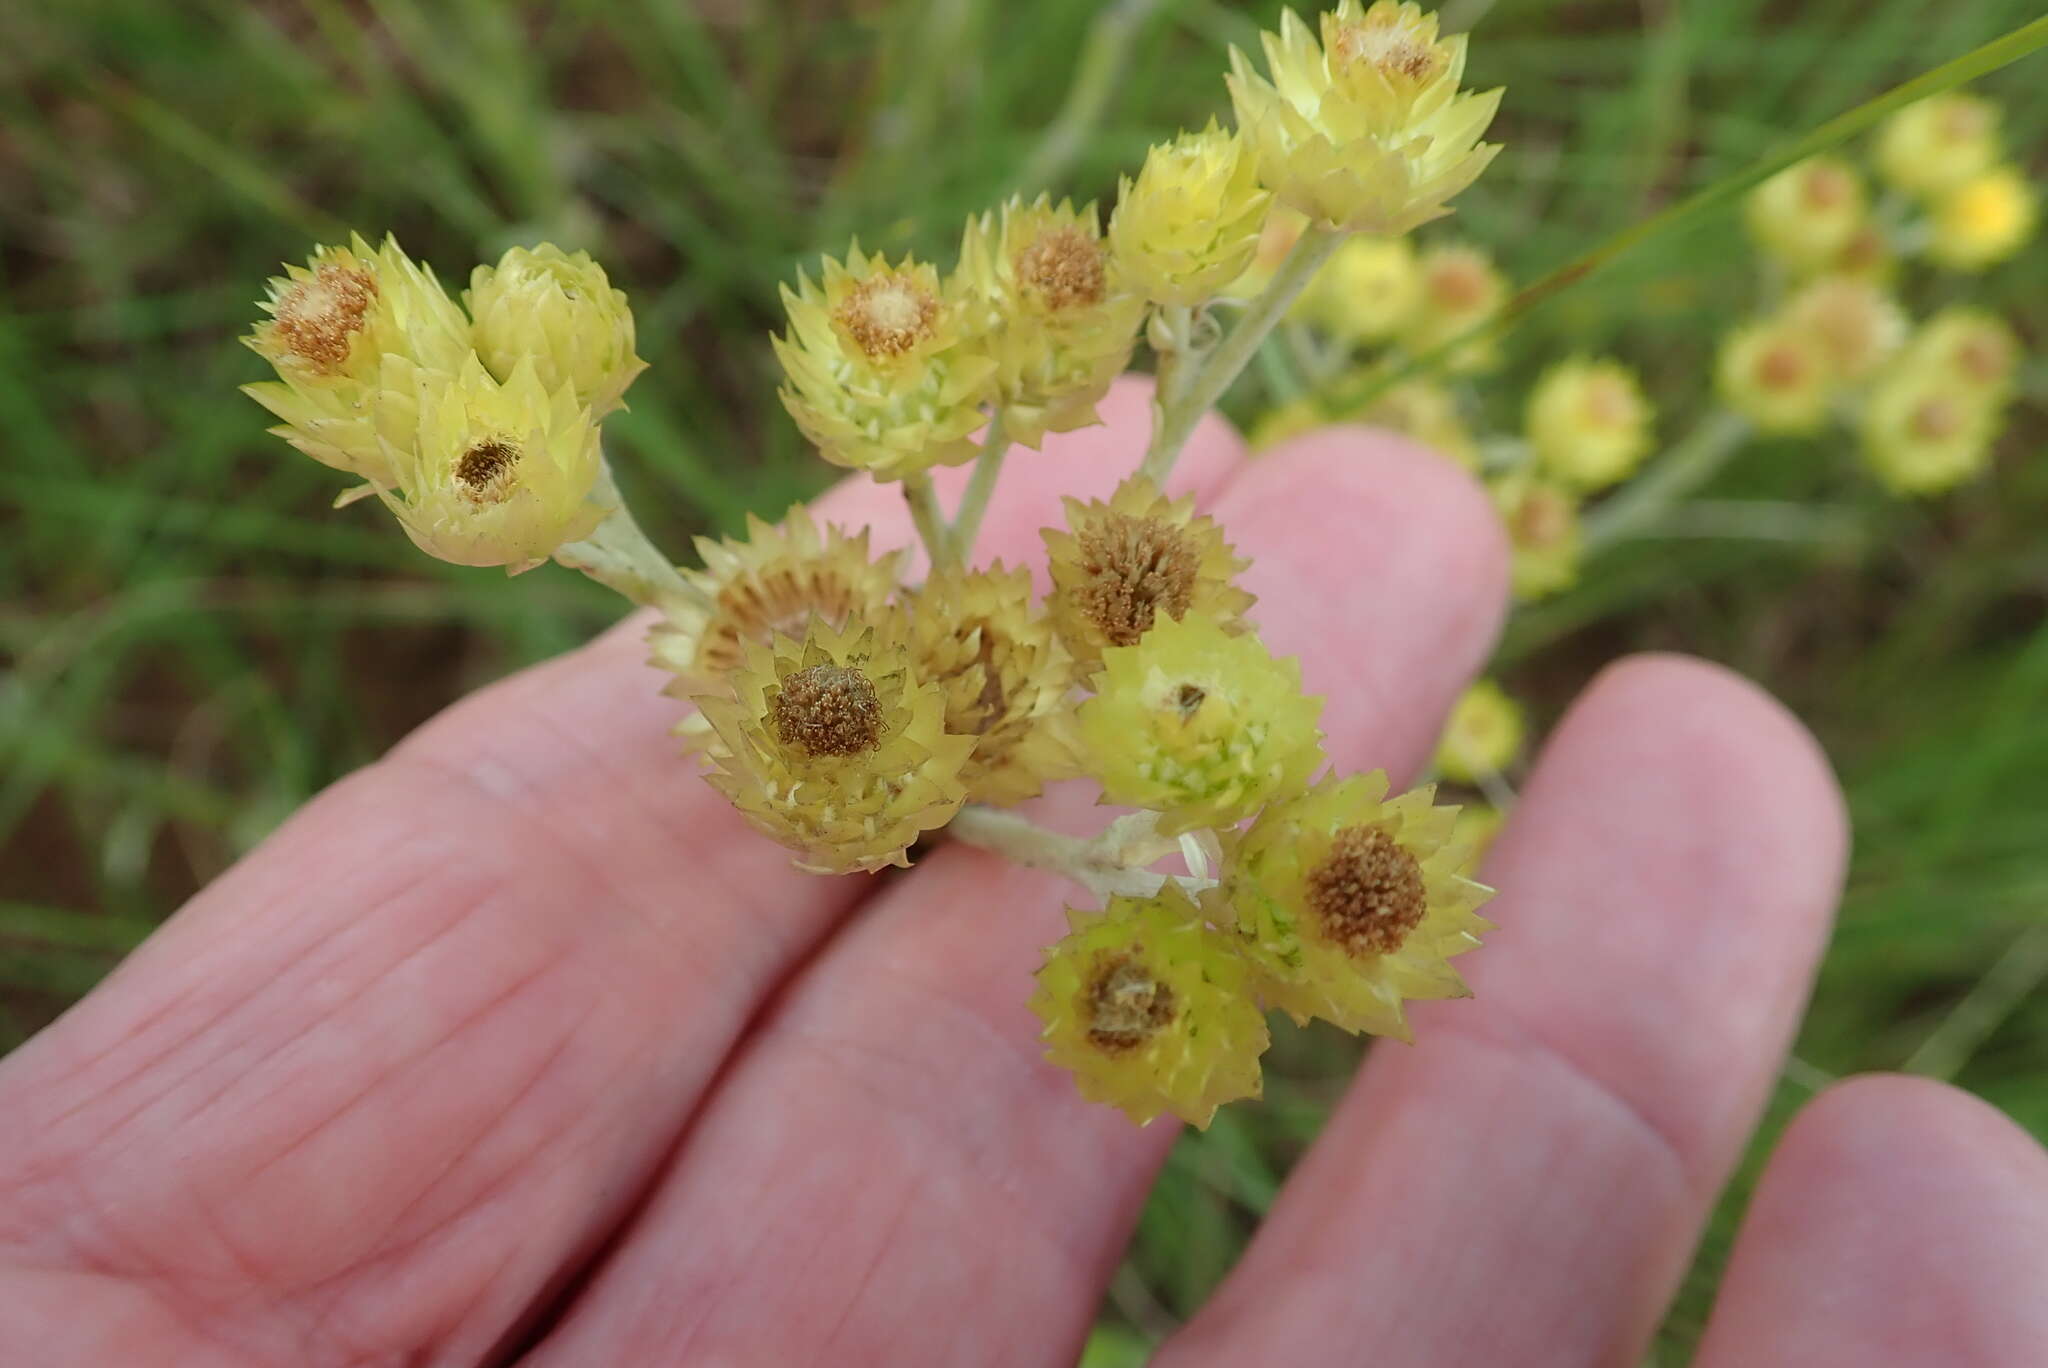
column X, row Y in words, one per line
column 524, row 1009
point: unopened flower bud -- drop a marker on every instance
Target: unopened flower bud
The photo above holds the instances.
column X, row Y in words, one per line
column 561, row 310
column 1190, row 223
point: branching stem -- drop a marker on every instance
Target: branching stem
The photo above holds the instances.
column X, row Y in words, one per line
column 1111, row 864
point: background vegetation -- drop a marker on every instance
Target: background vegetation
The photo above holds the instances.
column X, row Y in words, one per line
column 193, row 644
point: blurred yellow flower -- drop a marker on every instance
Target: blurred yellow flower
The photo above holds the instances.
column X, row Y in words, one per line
column 1777, row 375
column 1807, row 214
column 1482, row 736
column 1589, row 422
column 1984, row 220
column 1935, row 144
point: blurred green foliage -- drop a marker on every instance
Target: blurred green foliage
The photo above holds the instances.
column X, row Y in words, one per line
column 194, row 643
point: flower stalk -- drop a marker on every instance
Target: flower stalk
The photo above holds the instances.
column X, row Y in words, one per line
column 988, row 468
column 1193, row 384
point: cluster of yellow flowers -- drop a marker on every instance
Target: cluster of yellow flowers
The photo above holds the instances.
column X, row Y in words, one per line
column 1928, row 400
column 848, row 712
column 477, row 428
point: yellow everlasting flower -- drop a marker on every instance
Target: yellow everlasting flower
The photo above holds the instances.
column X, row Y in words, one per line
column 1190, row 223
column 1121, row 566
column 1366, row 130
column 1807, row 214
column 886, row 372
column 1461, row 289
column 1147, row 1007
column 349, row 333
column 1005, row 679
column 1482, row 736
column 1924, row 433
column 1542, row 521
column 832, row 746
column 1350, row 904
column 776, row 580
column 1935, row 144
column 1367, row 292
column 561, row 310
column 1857, row 324
column 1975, row 349
column 496, row 474
column 1054, row 316
column 1199, row 725
column 1984, row 220
column 1589, row 422
column 1777, row 375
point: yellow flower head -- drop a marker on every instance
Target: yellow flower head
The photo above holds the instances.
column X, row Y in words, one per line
column 1589, row 422
column 832, row 746
column 1054, row 314
column 1923, row 433
column 1482, row 736
column 1542, row 521
column 1807, row 214
column 1936, row 144
column 1350, row 904
column 1366, row 129
column 774, row 582
column 496, row 474
column 1972, row 348
column 1856, row 323
column 1984, row 220
column 1461, row 289
column 1190, row 223
column 1123, row 565
column 1778, row 375
column 1199, row 725
column 347, row 333
column 561, row 310
column 884, row 370
column 1367, row 292
column 1147, row 1007
column 1005, row 679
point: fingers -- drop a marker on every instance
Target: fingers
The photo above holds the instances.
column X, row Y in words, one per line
column 1901, row 1222
column 1525, row 1184
column 419, row 1051
column 891, row 1172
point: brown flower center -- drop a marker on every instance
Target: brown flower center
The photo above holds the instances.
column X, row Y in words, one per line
column 1937, row 420
column 828, row 710
column 1187, row 699
column 1781, row 368
column 485, row 472
column 1124, row 1005
column 1457, row 284
column 1368, row 891
column 1394, row 52
column 317, row 319
column 1134, row 569
column 1983, row 358
column 1065, row 266
column 1543, row 519
column 1827, row 187
column 888, row 314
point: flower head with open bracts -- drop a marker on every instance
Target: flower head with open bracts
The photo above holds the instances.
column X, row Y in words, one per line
column 1923, row 431
column 1123, row 565
column 1198, row 725
column 1350, row 904
column 1005, row 677
column 1189, row 224
column 349, row 334
column 833, row 746
column 496, row 474
column 885, row 366
column 1147, row 1006
column 1366, row 130
column 1054, row 314
column 775, row 581
column 559, row 309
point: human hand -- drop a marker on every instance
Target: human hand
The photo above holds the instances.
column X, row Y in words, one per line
column 518, row 1042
